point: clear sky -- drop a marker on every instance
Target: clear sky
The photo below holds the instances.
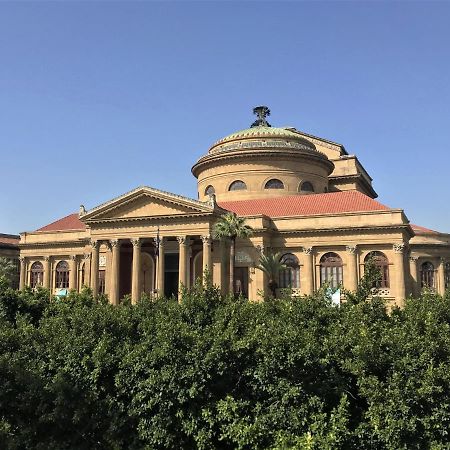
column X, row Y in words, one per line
column 97, row 98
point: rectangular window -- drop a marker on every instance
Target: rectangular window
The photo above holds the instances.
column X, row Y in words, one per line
column 101, row 281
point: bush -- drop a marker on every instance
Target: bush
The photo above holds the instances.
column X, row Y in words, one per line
column 213, row 372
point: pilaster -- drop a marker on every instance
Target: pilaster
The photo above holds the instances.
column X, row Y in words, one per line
column 136, row 271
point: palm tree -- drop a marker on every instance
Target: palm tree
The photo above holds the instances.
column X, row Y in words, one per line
column 271, row 265
column 230, row 227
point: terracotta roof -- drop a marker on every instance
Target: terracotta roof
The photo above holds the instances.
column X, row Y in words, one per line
column 9, row 239
column 422, row 230
column 305, row 205
column 70, row 222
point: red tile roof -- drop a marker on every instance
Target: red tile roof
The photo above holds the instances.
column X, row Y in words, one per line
column 70, row 222
column 422, row 230
column 9, row 239
column 305, row 205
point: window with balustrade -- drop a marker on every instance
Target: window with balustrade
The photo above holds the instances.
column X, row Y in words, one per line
column 62, row 275
column 382, row 264
column 427, row 275
column 331, row 270
column 36, row 274
column 289, row 277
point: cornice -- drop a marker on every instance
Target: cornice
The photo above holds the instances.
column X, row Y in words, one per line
column 79, row 243
column 213, row 159
column 344, row 230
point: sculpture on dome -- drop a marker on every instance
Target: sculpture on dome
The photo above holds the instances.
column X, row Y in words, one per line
column 261, row 112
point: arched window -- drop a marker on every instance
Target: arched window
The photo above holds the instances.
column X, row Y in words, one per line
column 36, row 274
column 290, row 276
column 210, row 190
column 382, row 264
column 427, row 275
column 237, row 185
column 274, row 184
column 331, row 270
column 306, row 186
column 62, row 275
column 447, row 275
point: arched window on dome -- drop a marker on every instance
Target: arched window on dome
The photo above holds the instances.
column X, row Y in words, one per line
column 274, row 183
column 62, row 275
column 447, row 275
column 427, row 275
column 382, row 264
column 36, row 274
column 290, row 276
column 210, row 190
column 237, row 185
column 331, row 270
column 306, row 186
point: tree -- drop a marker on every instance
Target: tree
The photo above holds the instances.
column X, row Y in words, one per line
column 230, row 227
column 8, row 269
column 271, row 265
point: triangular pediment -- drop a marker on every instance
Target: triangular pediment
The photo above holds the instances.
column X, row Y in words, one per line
column 146, row 202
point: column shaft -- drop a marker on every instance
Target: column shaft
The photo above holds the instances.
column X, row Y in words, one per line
column 46, row 272
column 224, row 281
column 308, row 287
column 136, row 273
column 23, row 273
column 182, row 264
column 207, row 260
column 441, row 277
column 115, row 272
column 161, row 269
column 399, row 264
column 94, row 267
column 352, row 269
column 73, row 272
column 413, row 271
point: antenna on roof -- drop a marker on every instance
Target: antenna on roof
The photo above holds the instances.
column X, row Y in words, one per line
column 261, row 112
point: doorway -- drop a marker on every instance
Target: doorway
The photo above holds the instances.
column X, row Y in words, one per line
column 171, row 275
column 241, row 281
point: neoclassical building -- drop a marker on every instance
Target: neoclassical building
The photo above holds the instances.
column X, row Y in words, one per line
column 304, row 196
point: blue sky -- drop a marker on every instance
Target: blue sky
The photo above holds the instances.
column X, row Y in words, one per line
column 97, row 98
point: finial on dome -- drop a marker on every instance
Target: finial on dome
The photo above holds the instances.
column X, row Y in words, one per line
column 261, row 112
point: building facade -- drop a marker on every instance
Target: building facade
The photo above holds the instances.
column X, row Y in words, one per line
column 304, row 197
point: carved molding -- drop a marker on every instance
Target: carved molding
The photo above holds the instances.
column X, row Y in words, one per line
column 260, row 249
column 114, row 243
column 206, row 239
column 351, row 249
column 95, row 244
column 399, row 248
column 22, row 259
column 46, row 258
column 86, row 256
column 307, row 250
column 181, row 240
column 136, row 242
column 414, row 258
column 73, row 257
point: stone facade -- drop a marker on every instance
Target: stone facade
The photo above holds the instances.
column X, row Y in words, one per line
column 304, row 196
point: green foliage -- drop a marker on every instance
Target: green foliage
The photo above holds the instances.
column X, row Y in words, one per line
column 8, row 270
column 230, row 226
column 271, row 265
column 212, row 372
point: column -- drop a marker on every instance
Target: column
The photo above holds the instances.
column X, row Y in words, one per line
column 94, row 267
column 161, row 268
column 115, row 272
column 46, row 265
column 352, row 268
column 136, row 272
column 207, row 266
column 441, row 276
column 23, row 272
column 308, row 286
column 224, row 280
column 413, row 271
column 399, row 265
column 73, row 272
column 87, row 269
column 182, row 264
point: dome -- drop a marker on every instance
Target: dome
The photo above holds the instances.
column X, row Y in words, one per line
column 260, row 162
column 265, row 136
